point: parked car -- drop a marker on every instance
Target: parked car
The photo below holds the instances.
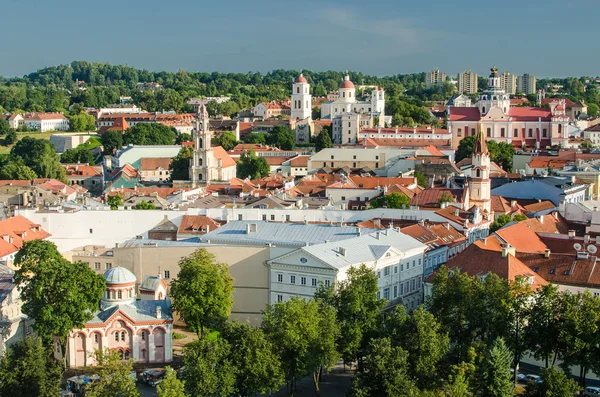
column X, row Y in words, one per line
column 533, row 378
column 591, row 391
column 520, row 377
column 153, row 376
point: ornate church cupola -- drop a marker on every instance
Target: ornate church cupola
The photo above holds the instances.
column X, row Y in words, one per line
column 494, row 95
column 494, row 82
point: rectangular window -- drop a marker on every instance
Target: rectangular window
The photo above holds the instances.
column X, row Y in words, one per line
column 376, row 165
column 96, row 338
column 343, row 198
column 386, row 271
column 402, row 267
column 292, row 279
column 545, row 133
column 414, row 263
column 108, row 266
column 516, row 133
column 303, row 280
column 280, row 278
column 143, row 335
column 395, row 291
column 472, row 131
column 91, row 231
column 386, row 293
column 419, row 261
column 502, row 132
column 460, row 132
column 167, row 274
column 531, row 132
column 272, row 217
column 378, row 274
column 407, row 287
column 314, row 282
column 287, row 218
column 264, row 217
column 116, row 336
column 97, row 265
column 489, row 132
column 401, row 289
column 240, row 217
column 327, row 283
column 395, row 269
column 279, row 298
column 414, row 282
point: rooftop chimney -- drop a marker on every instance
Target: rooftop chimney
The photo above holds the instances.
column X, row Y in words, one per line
column 547, row 253
column 513, row 203
column 421, row 222
column 508, row 249
column 586, row 238
column 571, row 233
column 342, row 251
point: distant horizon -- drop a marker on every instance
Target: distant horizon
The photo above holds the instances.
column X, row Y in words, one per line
column 452, row 74
column 236, row 36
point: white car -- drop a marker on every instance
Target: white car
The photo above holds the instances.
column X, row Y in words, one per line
column 533, row 378
column 591, row 391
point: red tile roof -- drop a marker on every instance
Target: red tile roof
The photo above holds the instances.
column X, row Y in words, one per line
column 221, row 154
column 568, row 102
column 152, row 164
column 15, row 231
column 82, row 170
column 403, row 142
column 299, row 161
column 370, row 182
column 429, row 197
column 529, row 114
column 197, row 224
column 464, row 114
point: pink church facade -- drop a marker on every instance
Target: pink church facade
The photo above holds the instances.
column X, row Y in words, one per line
column 137, row 329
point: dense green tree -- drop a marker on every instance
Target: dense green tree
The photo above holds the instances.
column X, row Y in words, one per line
column 358, row 311
column 258, row 369
column 323, row 141
column 10, row 137
column 112, row 140
column 40, row 156
column 251, row 166
column 149, row 134
column 202, row 292
column 282, row 137
column 77, row 155
column 579, row 336
column 392, row 200
column 29, row 369
column 180, row 166
column 144, row 205
column 421, row 179
column 496, row 380
column 15, row 169
column 504, row 219
column 183, row 137
column 4, row 126
column 293, row 329
column 258, row 138
column 208, row 369
column 384, row 372
column 324, row 352
column 82, row 122
column 554, row 384
column 423, row 338
column 114, row 201
column 592, row 110
column 544, row 324
column 117, row 378
column 58, row 295
column 171, row 386
column 226, row 140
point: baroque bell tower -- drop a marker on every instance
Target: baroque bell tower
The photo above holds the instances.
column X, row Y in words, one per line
column 480, row 185
column 203, row 164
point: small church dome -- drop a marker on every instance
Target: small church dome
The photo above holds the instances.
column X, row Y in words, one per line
column 119, row 275
column 300, row 79
column 347, row 83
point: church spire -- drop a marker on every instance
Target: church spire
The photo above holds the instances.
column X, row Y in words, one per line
column 480, row 145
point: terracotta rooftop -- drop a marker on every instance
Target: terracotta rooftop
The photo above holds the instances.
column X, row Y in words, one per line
column 430, row 197
column 221, row 154
column 152, row 164
column 17, row 230
column 197, row 224
column 82, row 170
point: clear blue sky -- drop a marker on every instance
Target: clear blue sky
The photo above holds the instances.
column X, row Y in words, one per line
column 545, row 38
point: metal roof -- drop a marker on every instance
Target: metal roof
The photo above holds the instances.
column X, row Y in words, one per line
column 280, row 234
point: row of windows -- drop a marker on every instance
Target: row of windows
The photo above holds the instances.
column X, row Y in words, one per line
column 503, row 132
column 405, row 288
column 387, row 269
column 264, row 217
column 313, row 281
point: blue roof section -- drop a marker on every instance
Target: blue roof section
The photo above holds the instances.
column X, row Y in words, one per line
column 142, row 310
column 280, row 234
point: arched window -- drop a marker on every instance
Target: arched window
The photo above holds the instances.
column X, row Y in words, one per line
column 200, row 143
column 119, row 294
column 143, row 335
column 117, row 336
column 130, row 293
column 160, row 296
column 126, row 354
column 478, row 173
column 122, row 335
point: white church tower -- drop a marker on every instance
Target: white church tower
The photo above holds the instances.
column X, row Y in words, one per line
column 480, row 185
column 494, row 96
column 204, row 167
column 301, row 99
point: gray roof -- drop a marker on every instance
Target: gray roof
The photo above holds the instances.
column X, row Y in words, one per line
column 143, row 310
column 145, row 242
column 279, row 234
column 7, row 284
column 165, row 226
column 150, row 283
column 366, row 248
column 119, row 275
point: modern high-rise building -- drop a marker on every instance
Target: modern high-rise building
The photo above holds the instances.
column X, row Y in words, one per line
column 435, row 77
column 526, row 84
column 467, row 82
column 509, row 83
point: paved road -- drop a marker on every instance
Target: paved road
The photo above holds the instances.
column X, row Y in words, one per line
column 147, row 391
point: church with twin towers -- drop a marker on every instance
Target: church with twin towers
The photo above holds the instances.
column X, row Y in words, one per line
column 346, row 114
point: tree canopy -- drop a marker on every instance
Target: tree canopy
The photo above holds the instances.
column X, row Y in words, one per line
column 59, row 295
column 112, row 140
column 323, row 140
column 202, row 292
column 180, row 166
column 40, row 156
column 281, row 137
column 392, row 200
column 117, row 377
column 149, row 134
column 500, row 152
column 77, row 155
column 226, row 140
column 82, row 122
column 251, row 166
